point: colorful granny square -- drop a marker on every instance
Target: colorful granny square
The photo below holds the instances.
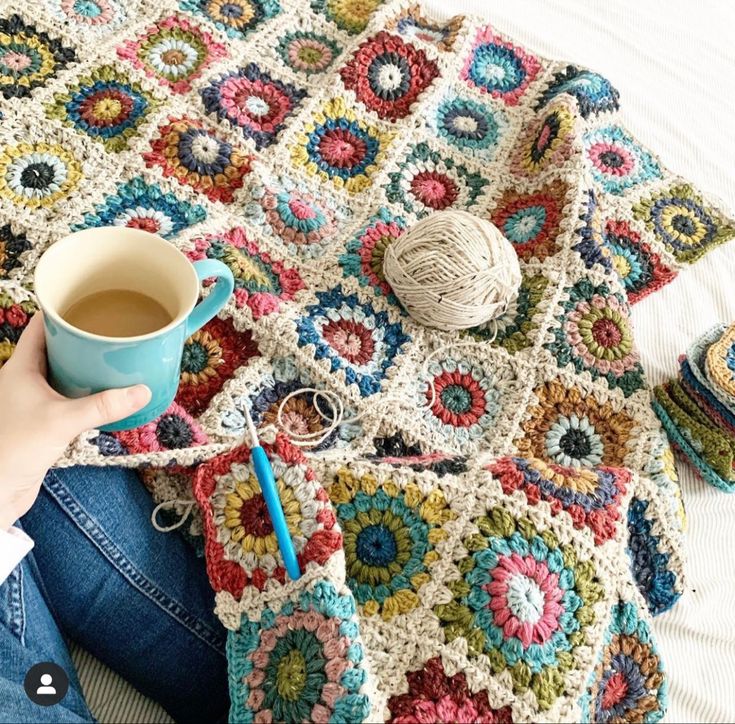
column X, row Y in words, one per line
column 428, row 181
column 304, row 222
column 388, row 75
column 338, row 146
column 14, row 318
column 197, row 157
column 352, row 17
column 106, row 105
column 682, row 222
column 532, row 221
column 617, row 161
column 12, row 248
column 460, row 398
column 98, row 16
column 593, row 93
column 261, row 282
column 318, row 634
column 412, row 25
column 252, row 100
column 499, row 68
column 571, row 428
column 174, row 51
column 28, row 57
column 139, row 205
column 237, row 18
column 592, row 498
column 355, row 338
column 641, row 270
column 390, row 533
column 211, row 356
column 242, row 549
column 594, row 333
column 306, row 51
column 470, row 126
column 628, row 683
column 37, row 175
column 506, row 556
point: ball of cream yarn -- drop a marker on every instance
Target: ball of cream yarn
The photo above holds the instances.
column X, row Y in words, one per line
column 452, row 270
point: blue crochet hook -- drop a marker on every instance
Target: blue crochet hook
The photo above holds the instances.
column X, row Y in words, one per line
column 267, row 481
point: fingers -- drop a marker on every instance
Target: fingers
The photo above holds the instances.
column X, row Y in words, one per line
column 105, row 407
column 30, row 352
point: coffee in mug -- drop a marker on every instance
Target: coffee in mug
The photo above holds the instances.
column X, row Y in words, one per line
column 117, row 313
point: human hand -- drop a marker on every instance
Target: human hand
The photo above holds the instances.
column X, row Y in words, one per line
column 37, row 423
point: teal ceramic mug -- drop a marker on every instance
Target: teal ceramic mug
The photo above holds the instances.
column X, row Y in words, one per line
column 107, row 258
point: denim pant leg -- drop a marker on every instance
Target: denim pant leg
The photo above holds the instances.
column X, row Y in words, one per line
column 136, row 598
column 29, row 635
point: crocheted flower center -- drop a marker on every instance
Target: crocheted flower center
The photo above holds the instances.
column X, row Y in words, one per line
column 204, row 148
column 37, row 175
column 145, row 223
column 15, row 60
column 301, row 209
column 434, row 190
column 389, row 76
column 255, row 518
column 573, row 441
column 525, row 599
column 606, row 333
column 295, row 675
column 341, row 148
column 684, row 224
column 351, row 340
column 173, row 432
column 195, row 357
column 456, row 398
column 615, row 690
column 310, row 54
column 525, row 224
column 87, row 8
column 376, row 545
column 291, row 676
column 174, row 56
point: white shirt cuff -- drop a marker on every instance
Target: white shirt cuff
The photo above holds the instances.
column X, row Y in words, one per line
column 14, row 546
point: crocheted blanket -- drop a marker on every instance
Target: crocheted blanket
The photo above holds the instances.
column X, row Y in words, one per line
column 487, row 529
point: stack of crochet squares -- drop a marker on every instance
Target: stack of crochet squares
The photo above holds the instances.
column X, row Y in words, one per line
column 698, row 408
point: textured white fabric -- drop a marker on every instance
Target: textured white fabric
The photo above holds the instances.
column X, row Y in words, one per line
column 674, row 64
column 14, row 545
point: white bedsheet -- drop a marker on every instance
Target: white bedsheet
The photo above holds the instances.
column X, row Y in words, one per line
column 674, row 65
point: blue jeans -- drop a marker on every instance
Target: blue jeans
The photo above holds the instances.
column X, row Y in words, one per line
column 137, row 599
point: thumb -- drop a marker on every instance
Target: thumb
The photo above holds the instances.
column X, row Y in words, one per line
column 105, row 407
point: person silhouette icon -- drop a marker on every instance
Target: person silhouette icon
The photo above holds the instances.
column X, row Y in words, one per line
column 46, row 689
column 46, row 683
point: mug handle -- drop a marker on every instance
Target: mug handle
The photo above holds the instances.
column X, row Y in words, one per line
column 216, row 299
